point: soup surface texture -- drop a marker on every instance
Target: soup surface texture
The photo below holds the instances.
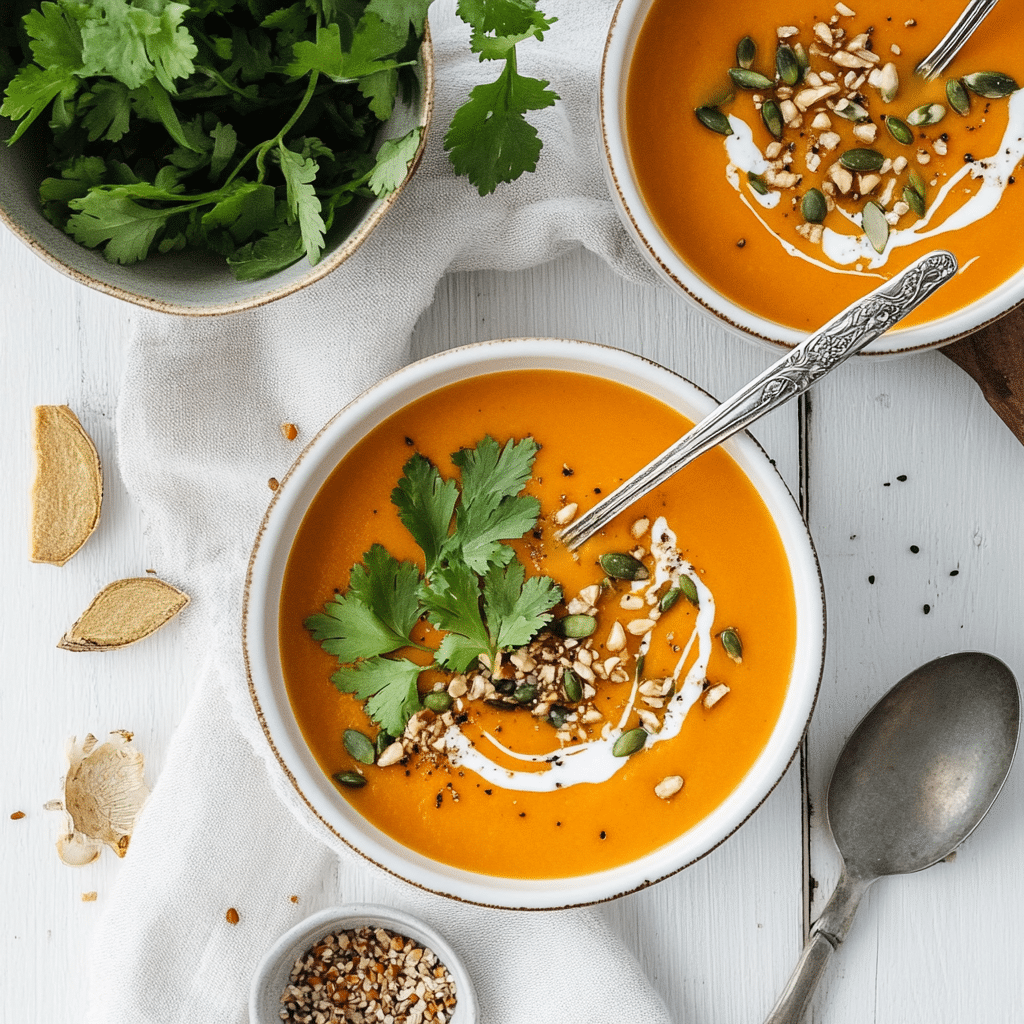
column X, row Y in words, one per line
column 504, row 778
column 800, row 198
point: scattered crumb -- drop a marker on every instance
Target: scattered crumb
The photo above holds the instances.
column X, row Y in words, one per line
column 17, row 815
column 289, row 431
column 273, row 483
column 294, row 899
column 231, row 916
column 89, row 897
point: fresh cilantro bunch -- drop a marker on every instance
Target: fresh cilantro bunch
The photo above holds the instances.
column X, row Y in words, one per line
column 246, row 127
column 472, row 586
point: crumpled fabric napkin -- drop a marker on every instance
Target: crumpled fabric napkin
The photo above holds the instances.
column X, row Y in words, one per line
column 198, row 438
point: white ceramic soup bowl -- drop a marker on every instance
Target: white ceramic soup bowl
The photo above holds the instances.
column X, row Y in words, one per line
column 318, row 794
column 626, row 24
column 192, row 283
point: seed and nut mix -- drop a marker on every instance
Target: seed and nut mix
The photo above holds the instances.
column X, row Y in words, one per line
column 368, row 976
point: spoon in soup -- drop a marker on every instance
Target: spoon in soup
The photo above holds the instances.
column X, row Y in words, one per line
column 952, row 42
column 914, row 780
column 843, row 336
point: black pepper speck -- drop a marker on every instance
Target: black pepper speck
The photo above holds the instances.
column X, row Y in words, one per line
column 871, row 580
column 927, row 608
column 914, row 549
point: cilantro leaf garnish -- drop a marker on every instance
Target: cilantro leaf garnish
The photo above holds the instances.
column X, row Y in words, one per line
column 473, row 588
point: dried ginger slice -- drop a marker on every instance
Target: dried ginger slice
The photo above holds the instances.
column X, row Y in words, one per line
column 104, row 791
column 122, row 613
column 68, row 489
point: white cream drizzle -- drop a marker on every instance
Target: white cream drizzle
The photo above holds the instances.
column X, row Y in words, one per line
column 993, row 172
column 592, row 761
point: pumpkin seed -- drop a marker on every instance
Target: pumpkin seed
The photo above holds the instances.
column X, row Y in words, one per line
column 927, row 113
column 359, row 746
column 898, row 130
column 383, row 741
column 747, row 79
column 732, row 644
column 621, row 566
column 851, row 111
column 629, row 742
column 802, row 57
column 640, row 662
column 813, row 206
column 351, row 779
column 772, row 117
column 558, row 715
column 505, row 686
column 669, row 598
column 786, row 64
column 746, row 51
column 957, row 96
column 993, row 85
column 862, row 160
column 714, row 119
column 572, row 686
column 689, row 589
column 757, row 183
column 575, row 627
column 437, row 700
column 876, row 227
column 914, row 200
column 525, row 693
column 916, row 182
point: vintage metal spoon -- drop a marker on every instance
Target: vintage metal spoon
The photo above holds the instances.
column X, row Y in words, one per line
column 951, row 43
column 857, row 326
column 912, row 783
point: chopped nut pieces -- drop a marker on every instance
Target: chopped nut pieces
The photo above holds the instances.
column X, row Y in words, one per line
column 668, row 787
column 368, row 975
column 68, row 489
column 124, row 612
column 104, row 790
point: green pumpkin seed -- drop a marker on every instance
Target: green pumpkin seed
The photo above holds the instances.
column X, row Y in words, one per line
column 787, row 65
column 382, row 742
column 957, row 96
column 714, row 119
column 899, row 130
column 572, row 686
column 876, row 227
column 640, row 662
column 689, row 590
column 914, row 200
column 747, row 79
column 525, row 693
column 621, row 566
column 772, row 117
column 351, row 779
column 505, row 686
column 558, row 715
column 862, row 160
column 757, row 183
column 916, row 182
column 359, row 746
column 927, row 113
column 813, row 206
column 437, row 700
column 746, row 51
column 629, row 742
column 851, row 111
column 802, row 57
column 732, row 644
column 669, row 598
column 576, row 627
column 993, row 85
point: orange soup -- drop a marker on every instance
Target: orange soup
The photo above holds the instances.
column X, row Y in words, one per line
column 793, row 159
column 574, row 712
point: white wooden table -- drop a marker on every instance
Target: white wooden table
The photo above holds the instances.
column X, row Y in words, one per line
column 885, row 455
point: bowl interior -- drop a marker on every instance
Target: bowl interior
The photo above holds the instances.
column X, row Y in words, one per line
column 191, row 283
column 275, row 540
column 625, row 28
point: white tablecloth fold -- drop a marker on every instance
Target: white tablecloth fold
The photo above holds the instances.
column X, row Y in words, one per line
column 198, row 438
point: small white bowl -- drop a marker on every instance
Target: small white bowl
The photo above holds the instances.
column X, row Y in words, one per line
column 190, row 283
column 274, row 969
column 626, row 24
column 261, row 615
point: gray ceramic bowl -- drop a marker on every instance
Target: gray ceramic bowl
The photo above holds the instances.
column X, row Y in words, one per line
column 274, row 969
column 195, row 284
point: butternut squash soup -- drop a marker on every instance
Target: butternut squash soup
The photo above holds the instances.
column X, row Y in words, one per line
column 500, row 704
column 793, row 159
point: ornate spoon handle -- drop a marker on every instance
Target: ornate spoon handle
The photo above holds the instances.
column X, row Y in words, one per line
column 843, row 336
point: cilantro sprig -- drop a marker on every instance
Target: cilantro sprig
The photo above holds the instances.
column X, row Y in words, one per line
column 247, row 127
column 472, row 587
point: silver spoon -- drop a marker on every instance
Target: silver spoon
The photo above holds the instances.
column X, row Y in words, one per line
column 912, row 783
column 949, row 46
column 857, row 326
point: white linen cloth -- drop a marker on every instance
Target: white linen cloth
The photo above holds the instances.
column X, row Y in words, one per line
column 198, row 438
